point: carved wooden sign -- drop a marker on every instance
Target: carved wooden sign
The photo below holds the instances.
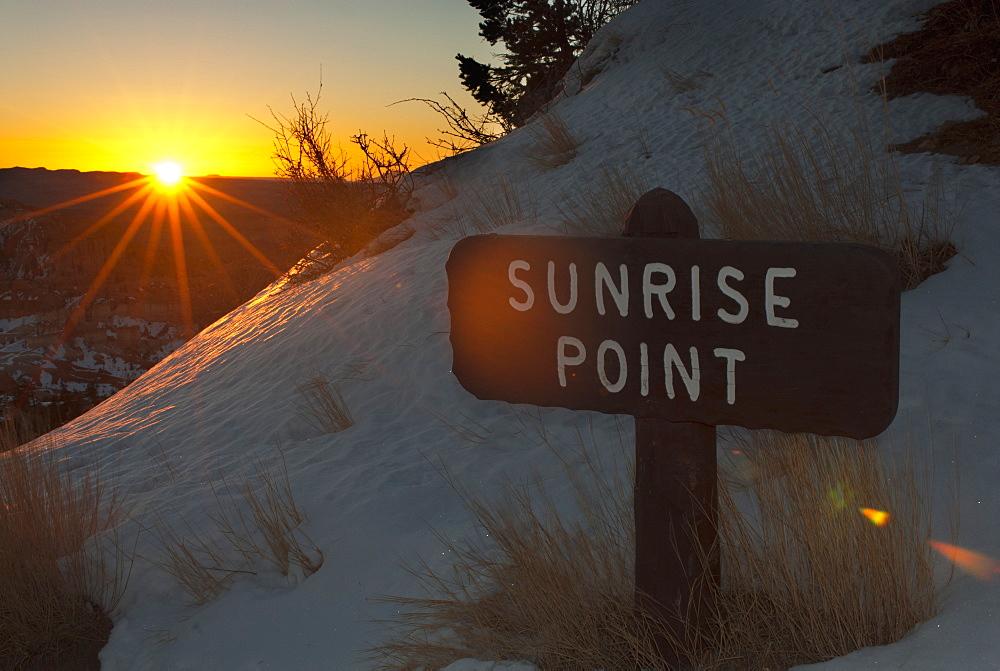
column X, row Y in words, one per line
column 788, row 336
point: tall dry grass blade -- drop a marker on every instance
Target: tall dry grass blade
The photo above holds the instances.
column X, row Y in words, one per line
column 58, row 586
column 323, row 405
column 502, row 204
column 279, row 519
column 554, row 144
column 599, row 205
column 678, row 82
column 820, row 181
column 195, row 561
column 799, row 554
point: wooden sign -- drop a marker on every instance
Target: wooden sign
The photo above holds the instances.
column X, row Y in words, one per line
column 788, row 336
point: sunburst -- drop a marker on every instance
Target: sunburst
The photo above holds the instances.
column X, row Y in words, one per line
column 168, row 174
column 167, row 202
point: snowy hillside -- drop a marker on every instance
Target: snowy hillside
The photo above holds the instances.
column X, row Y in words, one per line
column 373, row 493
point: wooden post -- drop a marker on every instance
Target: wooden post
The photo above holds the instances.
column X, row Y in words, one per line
column 675, row 496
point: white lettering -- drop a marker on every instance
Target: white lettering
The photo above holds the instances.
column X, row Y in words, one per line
column 661, row 290
column 692, row 380
column 619, row 384
column 563, row 359
column 731, row 356
column 724, row 273
column 529, row 295
column 695, row 294
column 602, row 278
column 770, row 300
column 573, row 293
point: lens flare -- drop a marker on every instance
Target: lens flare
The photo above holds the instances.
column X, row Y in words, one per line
column 878, row 517
column 839, row 497
column 974, row 563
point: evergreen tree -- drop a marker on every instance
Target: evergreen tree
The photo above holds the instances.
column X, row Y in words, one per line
column 542, row 38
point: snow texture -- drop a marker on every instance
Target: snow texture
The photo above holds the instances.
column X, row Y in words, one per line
column 373, row 494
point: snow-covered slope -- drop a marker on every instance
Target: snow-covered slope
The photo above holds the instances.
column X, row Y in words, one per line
column 373, row 492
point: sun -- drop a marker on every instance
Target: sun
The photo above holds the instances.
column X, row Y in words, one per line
column 168, row 173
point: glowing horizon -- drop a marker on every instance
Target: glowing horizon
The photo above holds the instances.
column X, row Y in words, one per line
column 168, row 200
column 96, row 91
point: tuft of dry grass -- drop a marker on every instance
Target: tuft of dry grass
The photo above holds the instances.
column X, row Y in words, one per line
column 599, row 205
column 196, row 562
column 278, row 521
column 503, row 204
column 678, row 82
column 57, row 587
column 823, row 182
column 806, row 577
column 555, row 145
column 322, row 405
column 267, row 527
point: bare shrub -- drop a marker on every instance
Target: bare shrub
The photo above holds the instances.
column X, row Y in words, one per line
column 600, row 204
column 555, row 145
column 464, row 131
column 806, row 576
column 57, row 589
column 345, row 205
column 823, row 183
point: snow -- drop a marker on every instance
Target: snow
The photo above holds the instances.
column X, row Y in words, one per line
column 373, row 494
column 11, row 323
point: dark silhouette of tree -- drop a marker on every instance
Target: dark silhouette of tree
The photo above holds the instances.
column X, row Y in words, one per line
column 542, row 38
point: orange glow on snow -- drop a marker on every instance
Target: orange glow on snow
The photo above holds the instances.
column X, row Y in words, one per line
column 878, row 517
column 976, row 564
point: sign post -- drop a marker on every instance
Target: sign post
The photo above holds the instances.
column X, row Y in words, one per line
column 675, row 495
column 684, row 334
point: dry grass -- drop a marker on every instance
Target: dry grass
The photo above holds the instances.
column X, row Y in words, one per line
column 279, row 538
column 257, row 519
column 537, row 586
column 196, row 563
column 503, row 203
column 599, row 205
column 953, row 53
column 22, row 426
column 678, row 82
column 820, row 182
column 57, row 591
column 322, row 405
column 806, row 576
column 555, row 145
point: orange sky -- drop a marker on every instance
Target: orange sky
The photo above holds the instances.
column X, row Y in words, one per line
column 115, row 85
